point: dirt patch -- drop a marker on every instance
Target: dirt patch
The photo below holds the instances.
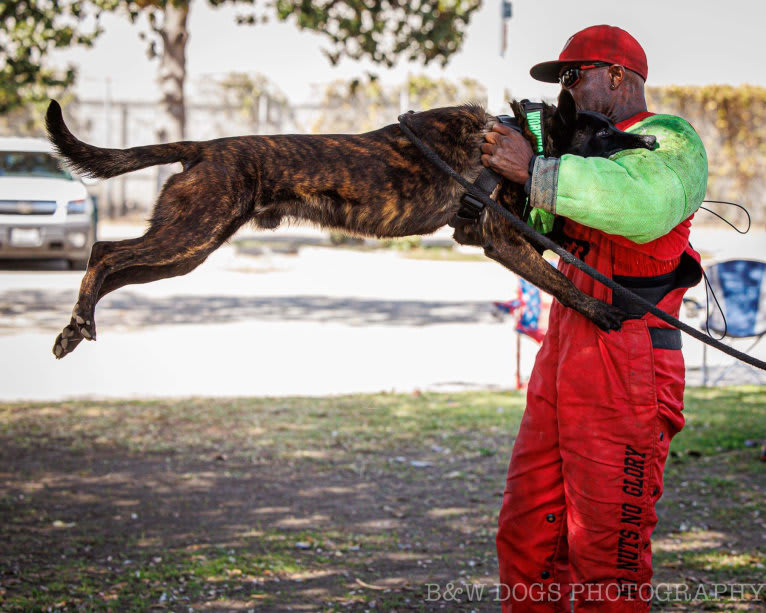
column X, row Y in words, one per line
column 332, row 523
column 335, row 528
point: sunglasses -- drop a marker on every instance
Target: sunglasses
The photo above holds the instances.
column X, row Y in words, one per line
column 570, row 76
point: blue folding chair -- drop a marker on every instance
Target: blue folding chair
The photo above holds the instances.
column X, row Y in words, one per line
column 740, row 289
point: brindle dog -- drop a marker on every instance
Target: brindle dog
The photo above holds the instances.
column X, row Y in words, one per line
column 373, row 184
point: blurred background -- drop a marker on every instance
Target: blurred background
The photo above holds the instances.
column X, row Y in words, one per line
column 230, row 442
column 133, row 72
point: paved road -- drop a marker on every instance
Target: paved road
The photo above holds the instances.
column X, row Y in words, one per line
column 325, row 321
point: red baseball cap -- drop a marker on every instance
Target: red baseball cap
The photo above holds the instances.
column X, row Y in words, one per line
column 595, row 44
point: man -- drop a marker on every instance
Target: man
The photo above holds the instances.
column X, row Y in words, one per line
column 586, row 469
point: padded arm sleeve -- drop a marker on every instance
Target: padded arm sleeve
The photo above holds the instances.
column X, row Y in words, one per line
column 638, row 194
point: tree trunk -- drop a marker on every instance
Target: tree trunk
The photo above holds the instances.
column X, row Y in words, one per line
column 173, row 69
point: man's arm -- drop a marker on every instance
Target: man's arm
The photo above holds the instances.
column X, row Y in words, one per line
column 638, row 194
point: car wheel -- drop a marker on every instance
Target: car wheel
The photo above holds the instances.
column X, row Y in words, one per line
column 78, row 264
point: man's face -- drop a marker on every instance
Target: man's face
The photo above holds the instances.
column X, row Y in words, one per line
column 591, row 92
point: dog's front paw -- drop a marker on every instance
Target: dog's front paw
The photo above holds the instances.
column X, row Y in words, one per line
column 606, row 316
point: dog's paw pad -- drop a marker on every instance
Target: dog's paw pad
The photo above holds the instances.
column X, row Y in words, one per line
column 86, row 327
column 86, row 330
column 66, row 342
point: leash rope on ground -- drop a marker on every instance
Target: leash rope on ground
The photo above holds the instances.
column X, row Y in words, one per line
column 544, row 241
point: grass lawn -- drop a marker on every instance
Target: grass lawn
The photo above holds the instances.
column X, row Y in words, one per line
column 350, row 503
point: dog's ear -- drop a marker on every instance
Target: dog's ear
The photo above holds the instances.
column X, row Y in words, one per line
column 567, row 110
column 518, row 112
column 560, row 125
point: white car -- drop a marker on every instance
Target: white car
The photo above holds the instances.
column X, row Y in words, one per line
column 45, row 212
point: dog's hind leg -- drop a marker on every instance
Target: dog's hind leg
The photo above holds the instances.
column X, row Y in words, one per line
column 71, row 336
column 523, row 259
column 156, row 255
column 182, row 234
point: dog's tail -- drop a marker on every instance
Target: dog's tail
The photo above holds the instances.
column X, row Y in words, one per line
column 102, row 163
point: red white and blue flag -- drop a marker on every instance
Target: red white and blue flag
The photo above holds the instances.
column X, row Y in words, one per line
column 529, row 303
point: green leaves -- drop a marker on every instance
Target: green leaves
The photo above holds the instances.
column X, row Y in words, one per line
column 381, row 30
column 29, row 30
column 384, row 30
column 731, row 121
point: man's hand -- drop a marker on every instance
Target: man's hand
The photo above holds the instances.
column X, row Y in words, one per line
column 507, row 152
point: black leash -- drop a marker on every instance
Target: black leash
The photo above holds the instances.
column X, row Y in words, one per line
column 712, row 212
column 709, row 288
column 544, row 241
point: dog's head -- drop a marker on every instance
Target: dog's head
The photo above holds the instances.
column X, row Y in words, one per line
column 587, row 133
column 454, row 132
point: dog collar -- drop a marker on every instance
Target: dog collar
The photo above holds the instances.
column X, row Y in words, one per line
column 488, row 180
column 534, row 114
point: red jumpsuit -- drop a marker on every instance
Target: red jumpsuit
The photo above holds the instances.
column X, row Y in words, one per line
column 586, row 469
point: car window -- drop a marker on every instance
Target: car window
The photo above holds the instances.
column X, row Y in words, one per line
column 31, row 164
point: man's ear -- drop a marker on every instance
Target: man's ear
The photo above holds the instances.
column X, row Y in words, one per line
column 567, row 109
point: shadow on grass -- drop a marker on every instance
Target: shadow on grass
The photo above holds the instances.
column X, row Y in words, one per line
column 104, row 526
column 319, row 504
